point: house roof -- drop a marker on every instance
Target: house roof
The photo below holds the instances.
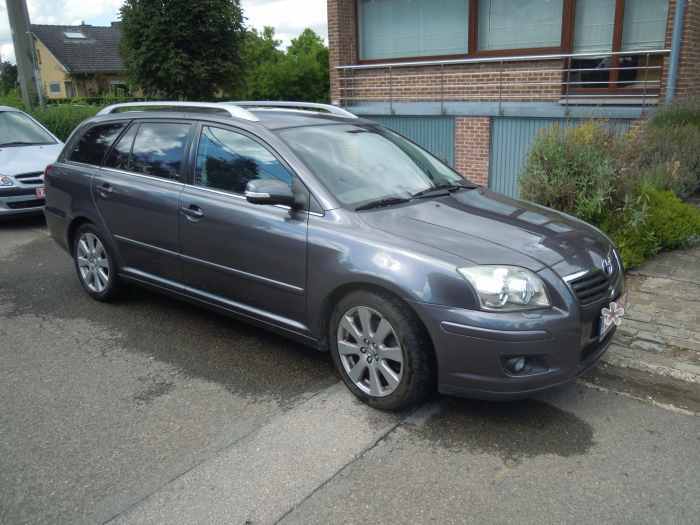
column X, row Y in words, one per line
column 97, row 52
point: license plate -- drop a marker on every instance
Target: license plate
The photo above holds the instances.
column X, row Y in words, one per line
column 612, row 315
column 41, row 192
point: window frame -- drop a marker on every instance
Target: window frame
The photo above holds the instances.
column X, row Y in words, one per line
column 565, row 47
column 313, row 206
column 613, row 82
column 185, row 170
column 184, row 173
column 473, row 50
column 78, row 135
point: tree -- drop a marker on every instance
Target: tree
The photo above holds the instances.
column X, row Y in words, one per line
column 182, row 49
column 260, row 53
column 8, row 77
column 301, row 73
column 306, row 69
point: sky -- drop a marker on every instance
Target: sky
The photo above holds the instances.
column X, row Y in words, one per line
column 288, row 17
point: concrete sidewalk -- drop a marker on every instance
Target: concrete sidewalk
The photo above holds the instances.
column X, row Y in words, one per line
column 659, row 340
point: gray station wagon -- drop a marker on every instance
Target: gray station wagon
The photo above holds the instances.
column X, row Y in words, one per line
column 342, row 234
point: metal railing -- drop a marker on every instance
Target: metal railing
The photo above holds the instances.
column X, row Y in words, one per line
column 577, row 79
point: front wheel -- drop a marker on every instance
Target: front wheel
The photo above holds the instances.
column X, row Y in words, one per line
column 381, row 351
column 94, row 263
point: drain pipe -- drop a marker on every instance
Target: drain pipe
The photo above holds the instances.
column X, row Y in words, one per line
column 675, row 50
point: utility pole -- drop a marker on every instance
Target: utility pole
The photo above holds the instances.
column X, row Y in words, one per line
column 24, row 51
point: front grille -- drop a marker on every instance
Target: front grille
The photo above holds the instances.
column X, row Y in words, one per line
column 20, row 205
column 592, row 287
column 30, row 178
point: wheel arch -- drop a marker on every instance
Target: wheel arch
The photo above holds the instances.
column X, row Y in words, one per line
column 73, row 227
column 83, row 218
column 331, row 300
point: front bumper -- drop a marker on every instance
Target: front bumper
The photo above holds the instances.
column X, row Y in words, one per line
column 472, row 348
column 20, row 201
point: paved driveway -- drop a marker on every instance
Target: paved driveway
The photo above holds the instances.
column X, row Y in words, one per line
column 153, row 411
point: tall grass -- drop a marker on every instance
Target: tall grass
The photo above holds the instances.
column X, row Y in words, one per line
column 684, row 112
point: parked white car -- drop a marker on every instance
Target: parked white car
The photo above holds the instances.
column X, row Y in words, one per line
column 26, row 148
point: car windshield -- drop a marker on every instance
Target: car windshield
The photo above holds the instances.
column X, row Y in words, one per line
column 364, row 164
column 17, row 129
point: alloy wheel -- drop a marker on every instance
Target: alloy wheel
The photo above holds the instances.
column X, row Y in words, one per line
column 370, row 351
column 93, row 262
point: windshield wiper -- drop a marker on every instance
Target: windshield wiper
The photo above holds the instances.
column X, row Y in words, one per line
column 442, row 190
column 19, row 143
column 380, row 203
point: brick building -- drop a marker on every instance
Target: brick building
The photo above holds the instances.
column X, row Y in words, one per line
column 475, row 80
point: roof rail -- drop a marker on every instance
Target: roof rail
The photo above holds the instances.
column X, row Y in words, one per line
column 232, row 110
column 333, row 110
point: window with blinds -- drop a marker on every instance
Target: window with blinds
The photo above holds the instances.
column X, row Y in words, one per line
column 644, row 25
column 519, row 24
column 412, row 28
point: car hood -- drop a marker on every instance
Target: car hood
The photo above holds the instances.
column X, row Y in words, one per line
column 488, row 228
column 27, row 159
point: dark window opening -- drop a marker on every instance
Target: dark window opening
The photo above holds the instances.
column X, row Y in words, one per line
column 94, row 144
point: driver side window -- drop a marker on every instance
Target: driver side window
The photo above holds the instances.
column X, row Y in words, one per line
column 227, row 160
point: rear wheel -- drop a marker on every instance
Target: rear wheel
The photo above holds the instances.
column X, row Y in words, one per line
column 381, row 350
column 94, row 264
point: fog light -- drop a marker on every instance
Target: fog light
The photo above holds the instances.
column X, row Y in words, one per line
column 516, row 364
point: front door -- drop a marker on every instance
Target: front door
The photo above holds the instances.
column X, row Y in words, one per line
column 138, row 195
column 249, row 257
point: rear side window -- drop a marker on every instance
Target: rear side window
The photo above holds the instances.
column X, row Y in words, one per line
column 159, row 149
column 120, row 156
column 227, row 160
column 94, row 144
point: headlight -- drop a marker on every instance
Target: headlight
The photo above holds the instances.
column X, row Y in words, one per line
column 506, row 288
column 6, row 181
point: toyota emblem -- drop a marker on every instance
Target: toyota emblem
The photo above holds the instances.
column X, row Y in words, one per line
column 608, row 265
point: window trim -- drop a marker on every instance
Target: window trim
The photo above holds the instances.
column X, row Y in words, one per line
column 194, row 154
column 183, row 175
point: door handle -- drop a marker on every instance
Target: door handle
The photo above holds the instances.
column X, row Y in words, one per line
column 193, row 212
column 105, row 190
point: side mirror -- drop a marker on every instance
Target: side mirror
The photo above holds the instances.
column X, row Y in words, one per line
column 269, row 191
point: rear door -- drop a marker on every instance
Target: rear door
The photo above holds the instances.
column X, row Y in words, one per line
column 137, row 192
column 250, row 257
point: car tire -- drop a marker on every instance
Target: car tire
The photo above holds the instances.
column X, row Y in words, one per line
column 382, row 351
column 95, row 264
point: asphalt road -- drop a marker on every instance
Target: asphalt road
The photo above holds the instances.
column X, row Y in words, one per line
column 150, row 410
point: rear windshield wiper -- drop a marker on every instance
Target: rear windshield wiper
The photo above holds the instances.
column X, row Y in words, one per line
column 380, row 203
column 441, row 190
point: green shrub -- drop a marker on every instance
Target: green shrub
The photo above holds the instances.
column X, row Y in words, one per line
column 61, row 120
column 628, row 186
column 657, row 221
column 669, row 157
column 682, row 113
column 572, row 170
column 11, row 99
column 674, row 223
column 636, row 245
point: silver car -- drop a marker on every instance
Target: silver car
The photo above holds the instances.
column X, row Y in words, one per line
column 26, row 148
